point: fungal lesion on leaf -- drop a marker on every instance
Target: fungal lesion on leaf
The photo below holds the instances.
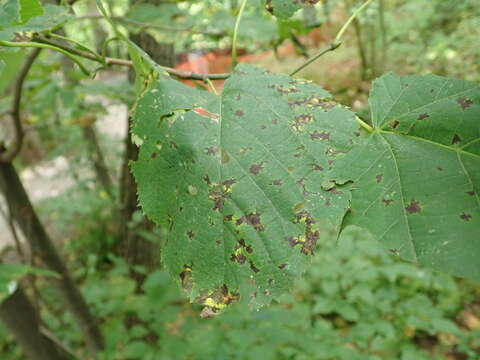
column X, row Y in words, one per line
column 211, row 150
column 314, row 102
column 284, row 90
column 464, row 102
column 413, row 207
column 316, row 135
column 311, row 235
column 466, row 217
column 255, row 169
column 216, row 301
column 456, row 139
column 253, row 219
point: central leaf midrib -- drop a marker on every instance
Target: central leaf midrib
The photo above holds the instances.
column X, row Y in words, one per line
column 397, row 169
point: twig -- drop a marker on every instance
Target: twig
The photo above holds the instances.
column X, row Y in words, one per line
column 336, row 43
column 235, row 33
column 331, row 47
column 186, row 75
column 14, row 149
column 47, row 333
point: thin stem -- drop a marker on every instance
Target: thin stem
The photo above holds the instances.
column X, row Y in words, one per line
column 331, row 47
column 349, row 21
column 364, row 125
column 210, row 83
column 235, row 33
column 28, row 44
column 43, row 43
column 79, row 44
column 336, row 43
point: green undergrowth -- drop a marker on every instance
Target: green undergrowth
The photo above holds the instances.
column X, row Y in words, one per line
column 355, row 302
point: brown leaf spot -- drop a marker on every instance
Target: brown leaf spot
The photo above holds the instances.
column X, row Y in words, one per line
column 249, row 249
column 240, row 258
column 464, row 102
column 218, row 205
column 256, row 168
column 253, row 267
column 439, row 169
column 292, row 240
column 228, row 217
column 320, row 135
column 303, row 119
column 456, row 139
column 252, row 219
column 387, row 201
column 413, row 207
column 173, row 145
column 423, row 116
column 277, row 182
column 379, row 178
column 154, row 155
column 206, row 178
column 190, row 234
column 239, row 113
column 471, row 193
column 317, row 167
column 228, row 183
column 282, row 266
column 212, row 150
column 465, row 216
column 394, row 124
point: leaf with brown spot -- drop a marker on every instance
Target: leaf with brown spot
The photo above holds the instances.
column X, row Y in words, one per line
column 246, row 180
column 427, row 147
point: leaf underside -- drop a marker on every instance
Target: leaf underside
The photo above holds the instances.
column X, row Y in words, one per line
column 416, row 179
column 237, row 179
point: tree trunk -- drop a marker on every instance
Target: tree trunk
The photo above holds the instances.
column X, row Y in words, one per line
column 97, row 158
column 20, row 317
column 25, row 216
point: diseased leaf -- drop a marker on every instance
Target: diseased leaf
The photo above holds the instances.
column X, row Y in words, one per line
column 237, row 179
column 416, row 178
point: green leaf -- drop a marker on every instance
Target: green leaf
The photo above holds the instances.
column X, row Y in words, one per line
column 53, row 17
column 237, row 179
column 10, row 274
column 416, row 178
column 30, row 9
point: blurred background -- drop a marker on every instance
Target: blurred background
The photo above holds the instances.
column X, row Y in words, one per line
column 355, row 302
